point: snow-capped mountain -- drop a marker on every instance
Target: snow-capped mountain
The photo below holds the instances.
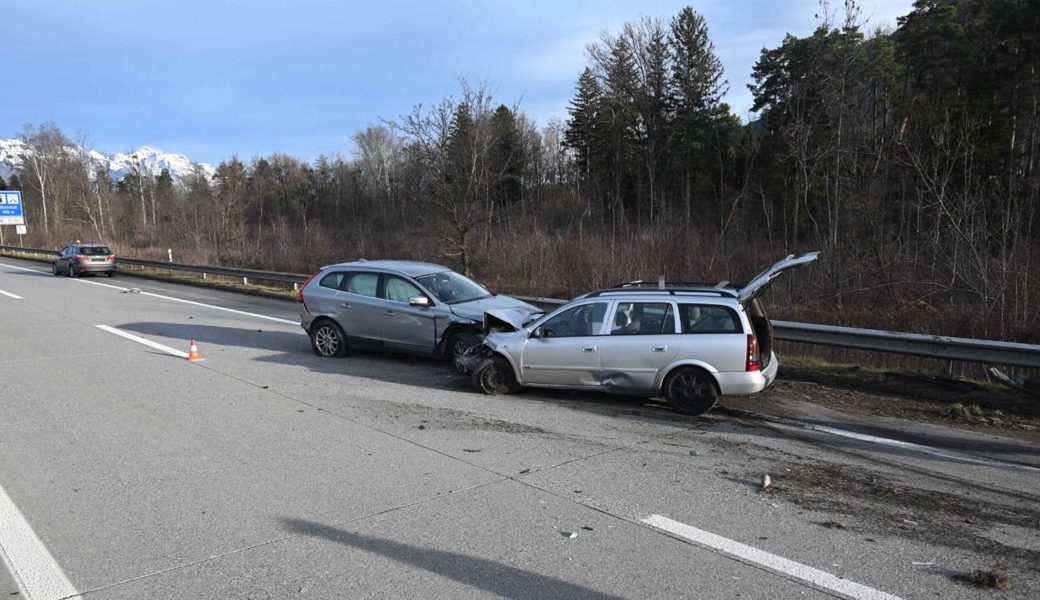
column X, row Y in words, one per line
column 149, row 160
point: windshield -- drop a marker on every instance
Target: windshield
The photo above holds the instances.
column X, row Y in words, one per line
column 451, row 288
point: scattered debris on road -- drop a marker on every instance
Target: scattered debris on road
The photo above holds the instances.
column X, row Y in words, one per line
column 834, row 525
column 766, row 481
column 569, row 534
column 994, row 578
column 132, row 291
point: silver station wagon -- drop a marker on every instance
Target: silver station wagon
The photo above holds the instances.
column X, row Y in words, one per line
column 397, row 305
column 689, row 344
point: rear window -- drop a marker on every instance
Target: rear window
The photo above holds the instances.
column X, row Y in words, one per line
column 95, row 250
column 333, row 280
column 707, row 318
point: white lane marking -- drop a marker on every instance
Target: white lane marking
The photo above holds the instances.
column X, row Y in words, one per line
column 35, row 571
column 10, row 295
column 918, row 448
column 141, row 340
column 779, row 564
column 116, row 287
column 873, row 439
column 230, row 310
column 108, row 285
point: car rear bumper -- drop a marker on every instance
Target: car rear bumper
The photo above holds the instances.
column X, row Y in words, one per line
column 748, row 382
column 98, row 267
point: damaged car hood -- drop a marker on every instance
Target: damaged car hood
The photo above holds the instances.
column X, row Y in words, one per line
column 507, row 319
column 475, row 309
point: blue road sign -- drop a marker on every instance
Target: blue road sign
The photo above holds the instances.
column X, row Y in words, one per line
column 11, row 209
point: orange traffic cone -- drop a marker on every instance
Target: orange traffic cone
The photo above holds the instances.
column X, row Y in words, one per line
column 193, row 353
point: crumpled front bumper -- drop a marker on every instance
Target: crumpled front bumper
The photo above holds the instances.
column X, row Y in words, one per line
column 472, row 357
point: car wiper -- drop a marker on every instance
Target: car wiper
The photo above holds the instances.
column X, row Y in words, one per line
column 470, row 299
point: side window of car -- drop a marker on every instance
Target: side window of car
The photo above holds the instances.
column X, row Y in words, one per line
column 708, row 318
column 333, row 280
column 399, row 289
column 364, row 284
column 582, row 320
column 643, row 318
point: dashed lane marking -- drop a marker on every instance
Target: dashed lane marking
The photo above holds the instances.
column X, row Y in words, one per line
column 141, row 340
column 34, row 569
column 10, row 295
column 778, row 564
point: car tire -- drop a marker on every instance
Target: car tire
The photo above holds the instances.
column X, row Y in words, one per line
column 72, row 270
column 328, row 339
column 111, row 273
column 690, row 391
column 54, row 269
column 494, row 377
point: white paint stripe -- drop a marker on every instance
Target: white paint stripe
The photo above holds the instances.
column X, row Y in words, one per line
column 35, row 571
column 141, row 340
column 779, row 564
column 116, row 287
column 917, row 448
column 10, row 295
column 910, row 446
column 230, row 310
column 24, row 269
column 108, row 285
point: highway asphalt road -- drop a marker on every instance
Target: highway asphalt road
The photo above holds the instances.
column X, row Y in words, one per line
column 265, row 471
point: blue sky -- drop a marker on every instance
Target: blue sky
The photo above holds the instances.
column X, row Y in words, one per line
column 252, row 77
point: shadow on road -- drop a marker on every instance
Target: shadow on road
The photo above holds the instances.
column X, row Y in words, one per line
column 480, row 573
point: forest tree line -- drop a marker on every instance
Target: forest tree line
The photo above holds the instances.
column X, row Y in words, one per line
column 909, row 157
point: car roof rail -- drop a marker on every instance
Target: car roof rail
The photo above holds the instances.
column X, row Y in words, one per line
column 671, row 291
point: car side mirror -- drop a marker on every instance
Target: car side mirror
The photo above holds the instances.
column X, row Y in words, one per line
column 422, row 301
column 536, row 333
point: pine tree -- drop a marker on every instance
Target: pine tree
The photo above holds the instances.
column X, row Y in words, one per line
column 3, row 184
column 696, row 87
column 583, row 128
column 619, row 121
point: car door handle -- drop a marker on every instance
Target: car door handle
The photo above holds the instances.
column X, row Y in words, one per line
column 389, row 313
column 659, row 348
column 589, row 349
column 345, row 305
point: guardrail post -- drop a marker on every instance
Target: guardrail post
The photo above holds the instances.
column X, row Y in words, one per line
column 245, row 281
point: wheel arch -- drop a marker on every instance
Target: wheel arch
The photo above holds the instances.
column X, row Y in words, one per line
column 665, row 373
column 512, row 364
column 321, row 319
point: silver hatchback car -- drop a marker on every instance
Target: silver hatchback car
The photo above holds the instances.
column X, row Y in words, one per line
column 397, row 305
column 689, row 344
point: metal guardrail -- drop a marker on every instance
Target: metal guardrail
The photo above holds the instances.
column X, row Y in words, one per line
column 931, row 346
column 245, row 274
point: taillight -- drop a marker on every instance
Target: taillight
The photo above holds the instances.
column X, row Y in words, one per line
column 754, row 357
column 80, row 257
column 111, row 257
column 299, row 292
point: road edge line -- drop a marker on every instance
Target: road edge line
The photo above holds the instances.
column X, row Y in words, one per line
column 772, row 562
